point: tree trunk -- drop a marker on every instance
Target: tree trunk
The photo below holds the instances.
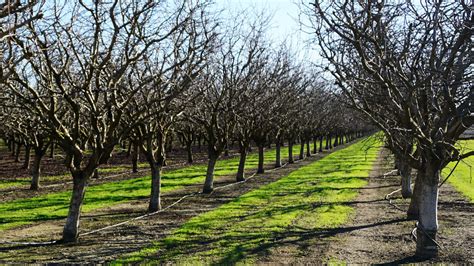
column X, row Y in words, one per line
column 51, row 152
column 155, row 199
column 36, row 170
column 301, row 157
column 336, row 141
column 405, row 173
column 135, row 156
column 129, row 148
column 290, row 152
column 428, row 220
column 321, row 144
column 13, row 147
column 241, row 170
column 226, row 149
column 96, row 175
column 209, row 182
column 17, row 152
column 26, row 163
column 315, row 145
column 9, row 144
column 260, row 169
column 71, row 228
column 328, row 139
column 413, row 209
column 278, row 154
column 189, row 150
column 308, row 148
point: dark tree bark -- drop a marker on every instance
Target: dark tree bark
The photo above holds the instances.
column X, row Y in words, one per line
column 260, row 169
column 405, row 173
column 278, row 153
column 301, row 157
column 17, row 152
column 413, row 208
column 135, row 155
column 290, row 151
column 51, row 152
column 189, row 151
column 36, row 170
column 315, row 145
column 243, row 157
column 26, row 162
column 129, row 148
column 308, row 148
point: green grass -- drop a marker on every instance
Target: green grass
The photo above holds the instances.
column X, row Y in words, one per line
column 290, row 210
column 462, row 178
column 55, row 205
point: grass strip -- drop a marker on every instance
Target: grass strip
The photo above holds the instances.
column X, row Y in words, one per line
column 55, row 205
column 462, row 178
column 315, row 197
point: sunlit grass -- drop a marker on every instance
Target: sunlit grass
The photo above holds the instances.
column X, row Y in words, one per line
column 463, row 176
column 55, row 205
column 310, row 199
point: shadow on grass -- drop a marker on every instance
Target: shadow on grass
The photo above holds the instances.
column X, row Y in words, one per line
column 297, row 236
column 409, row 259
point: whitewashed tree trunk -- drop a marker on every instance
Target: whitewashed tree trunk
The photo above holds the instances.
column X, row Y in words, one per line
column 428, row 216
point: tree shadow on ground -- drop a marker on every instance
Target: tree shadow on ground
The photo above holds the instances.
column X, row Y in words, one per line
column 299, row 237
column 409, row 259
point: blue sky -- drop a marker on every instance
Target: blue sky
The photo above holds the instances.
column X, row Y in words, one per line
column 285, row 13
column 284, row 24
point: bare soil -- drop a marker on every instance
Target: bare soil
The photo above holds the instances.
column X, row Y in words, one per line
column 110, row 244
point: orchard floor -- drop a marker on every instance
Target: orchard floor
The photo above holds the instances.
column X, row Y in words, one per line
column 108, row 245
column 377, row 233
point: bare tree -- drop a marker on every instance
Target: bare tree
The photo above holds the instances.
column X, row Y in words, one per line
column 72, row 75
column 408, row 68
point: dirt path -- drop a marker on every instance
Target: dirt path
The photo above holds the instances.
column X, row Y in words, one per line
column 110, row 244
column 379, row 233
